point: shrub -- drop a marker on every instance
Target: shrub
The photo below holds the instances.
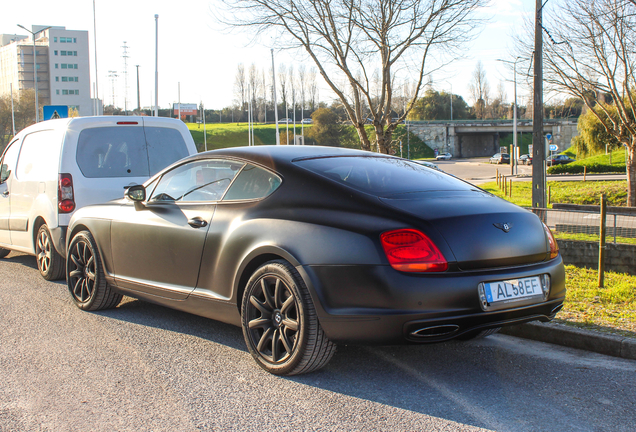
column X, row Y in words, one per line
column 592, row 168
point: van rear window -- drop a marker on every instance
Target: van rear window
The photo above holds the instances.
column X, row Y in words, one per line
column 128, row 151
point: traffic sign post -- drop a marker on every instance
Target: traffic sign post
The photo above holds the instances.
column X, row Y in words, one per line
column 50, row 112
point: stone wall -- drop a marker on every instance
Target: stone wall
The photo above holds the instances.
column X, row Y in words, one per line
column 434, row 135
column 619, row 258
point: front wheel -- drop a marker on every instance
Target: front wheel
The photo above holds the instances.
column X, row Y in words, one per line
column 279, row 322
column 85, row 275
column 50, row 263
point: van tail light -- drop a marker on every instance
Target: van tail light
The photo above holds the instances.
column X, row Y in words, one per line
column 65, row 196
column 554, row 246
column 409, row 250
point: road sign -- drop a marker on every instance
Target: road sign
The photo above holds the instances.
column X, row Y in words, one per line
column 554, row 147
column 54, row 112
column 549, row 137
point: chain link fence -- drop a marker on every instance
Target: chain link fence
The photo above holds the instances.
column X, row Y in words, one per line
column 585, row 225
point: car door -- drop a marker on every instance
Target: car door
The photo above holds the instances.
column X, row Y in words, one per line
column 157, row 247
column 7, row 175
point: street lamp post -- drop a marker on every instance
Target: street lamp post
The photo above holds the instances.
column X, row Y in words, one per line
column 35, row 70
column 156, row 65
column 515, row 165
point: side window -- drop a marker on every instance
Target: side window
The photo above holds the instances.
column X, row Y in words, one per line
column 196, row 181
column 253, row 183
column 8, row 160
column 165, row 146
column 39, row 156
column 112, row 152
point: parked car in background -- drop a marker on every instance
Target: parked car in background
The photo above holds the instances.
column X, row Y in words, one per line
column 428, row 164
column 307, row 121
column 444, row 156
column 525, row 159
column 306, row 246
column 53, row 168
column 500, row 158
column 285, row 120
column 559, row 160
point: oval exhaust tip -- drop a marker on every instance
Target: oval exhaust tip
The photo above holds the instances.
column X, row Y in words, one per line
column 434, row 331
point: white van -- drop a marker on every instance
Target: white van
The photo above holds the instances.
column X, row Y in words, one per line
column 52, row 168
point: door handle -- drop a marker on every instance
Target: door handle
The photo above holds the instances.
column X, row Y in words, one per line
column 5, row 193
column 197, row 222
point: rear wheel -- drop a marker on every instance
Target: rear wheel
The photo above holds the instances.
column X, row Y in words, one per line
column 50, row 263
column 85, row 275
column 280, row 325
column 4, row 252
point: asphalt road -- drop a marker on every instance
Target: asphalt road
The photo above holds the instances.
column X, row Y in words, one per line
column 142, row 367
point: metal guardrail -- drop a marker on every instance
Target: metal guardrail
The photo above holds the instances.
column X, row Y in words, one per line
column 619, row 228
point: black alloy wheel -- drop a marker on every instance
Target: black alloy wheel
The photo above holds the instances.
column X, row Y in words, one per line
column 280, row 325
column 50, row 263
column 85, row 276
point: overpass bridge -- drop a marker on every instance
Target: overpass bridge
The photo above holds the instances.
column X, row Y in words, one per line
column 475, row 138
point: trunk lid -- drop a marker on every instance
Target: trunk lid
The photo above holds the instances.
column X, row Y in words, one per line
column 481, row 230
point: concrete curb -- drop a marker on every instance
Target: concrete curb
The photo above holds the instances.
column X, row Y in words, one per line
column 560, row 334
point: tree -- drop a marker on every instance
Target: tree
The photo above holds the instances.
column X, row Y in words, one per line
column 436, row 106
column 349, row 39
column 325, row 130
column 591, row 54
column 593, row 137
column 480, row 91
column 240, row 88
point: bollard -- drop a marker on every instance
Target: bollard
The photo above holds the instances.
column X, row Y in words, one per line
column 497, row 176
column 601, row 244
column 505, row 185
column 510, row 191
column 584, row 172
column 549, row 194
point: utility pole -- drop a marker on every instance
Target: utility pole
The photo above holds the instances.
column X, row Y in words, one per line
column 156, row 65
column 125, row 56
column 113, row 76
column 538, row 144
column 138, row 100
column 275, row 103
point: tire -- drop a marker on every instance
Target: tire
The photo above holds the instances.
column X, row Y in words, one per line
column 4, row 252
column 50, row 263
column 279, row 322
column 85, row 275
column 480, row 334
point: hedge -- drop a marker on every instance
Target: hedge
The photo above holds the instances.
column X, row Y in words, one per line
column 592, row 168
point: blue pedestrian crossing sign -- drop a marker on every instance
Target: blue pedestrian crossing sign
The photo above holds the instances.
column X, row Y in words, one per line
column 50, row 112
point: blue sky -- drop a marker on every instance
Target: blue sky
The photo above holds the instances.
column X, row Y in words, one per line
column 196, row 52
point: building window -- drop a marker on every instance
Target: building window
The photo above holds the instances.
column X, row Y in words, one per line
column 63, row 53
column 55, row 39
column 64, row 79
column 74, row 40
column 64, row 92
column 57, row 92
column 55, row 52
column 58, row 79
column 56, row 66
column 63, row 65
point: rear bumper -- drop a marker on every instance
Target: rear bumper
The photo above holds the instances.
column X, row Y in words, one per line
column 376, row 304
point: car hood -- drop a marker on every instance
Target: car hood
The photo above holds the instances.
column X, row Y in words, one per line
column 481, row 230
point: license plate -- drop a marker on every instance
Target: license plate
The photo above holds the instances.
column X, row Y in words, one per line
column 513, row 290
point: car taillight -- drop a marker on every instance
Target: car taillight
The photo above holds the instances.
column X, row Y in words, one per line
column 409, row 250
column 65, row 197
column 554, row 246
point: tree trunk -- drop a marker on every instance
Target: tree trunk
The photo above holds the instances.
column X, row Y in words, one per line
column 631, row 175
column 364, row 138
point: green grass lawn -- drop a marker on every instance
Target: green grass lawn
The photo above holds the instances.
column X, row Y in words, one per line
column 614, row 158
column 612, row 308
column 571, row 192
column 223, row 135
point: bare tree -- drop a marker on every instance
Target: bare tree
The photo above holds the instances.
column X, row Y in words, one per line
column 480, row 91
column 312, row 88
column 349, row 39
column 240, row 87
column 283, row 85
column 590, row 52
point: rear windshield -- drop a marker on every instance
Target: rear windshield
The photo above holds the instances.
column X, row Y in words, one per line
column 383, row 176
column 128, row 151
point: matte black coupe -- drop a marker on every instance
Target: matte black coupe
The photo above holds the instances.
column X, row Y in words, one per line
column 306, row 247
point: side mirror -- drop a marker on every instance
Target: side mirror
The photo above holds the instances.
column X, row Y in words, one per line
column 5, row 174
column 136, row 193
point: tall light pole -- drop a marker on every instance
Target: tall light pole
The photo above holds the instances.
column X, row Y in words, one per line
column 96, row 90
column 275, row 103
column 156, row 65
column 538, row 144
column 138, row 100
column 35, row 70
column 515, row 165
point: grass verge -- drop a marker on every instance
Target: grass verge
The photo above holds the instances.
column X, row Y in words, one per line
column 578, row 192
column 610, row 309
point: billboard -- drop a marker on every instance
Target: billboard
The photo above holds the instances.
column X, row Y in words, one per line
column 186, row 109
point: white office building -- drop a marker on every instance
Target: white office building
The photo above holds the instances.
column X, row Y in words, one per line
column 62, row 62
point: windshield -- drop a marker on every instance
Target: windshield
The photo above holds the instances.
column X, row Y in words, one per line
column 382, row 176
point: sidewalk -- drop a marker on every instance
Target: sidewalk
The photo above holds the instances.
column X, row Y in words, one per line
column 560, row 334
